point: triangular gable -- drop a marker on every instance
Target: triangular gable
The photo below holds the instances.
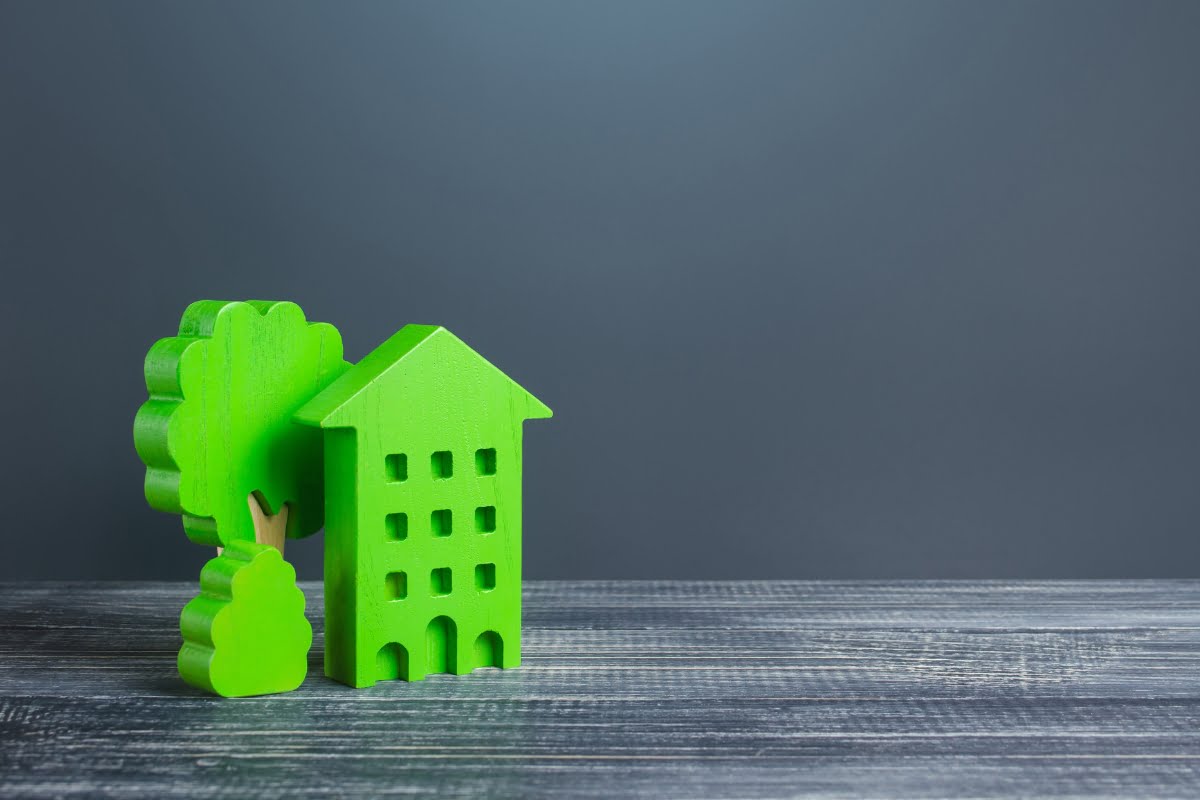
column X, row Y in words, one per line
column 354, row 385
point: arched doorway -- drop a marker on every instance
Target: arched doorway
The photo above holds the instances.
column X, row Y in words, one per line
column 391, row 663
column 441, row 644
column 489, row 649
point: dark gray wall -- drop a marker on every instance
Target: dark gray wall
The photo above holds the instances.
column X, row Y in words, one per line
column 843, row 289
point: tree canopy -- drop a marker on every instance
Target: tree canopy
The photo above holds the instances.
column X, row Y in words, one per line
column 245, row 634
column 218, row 425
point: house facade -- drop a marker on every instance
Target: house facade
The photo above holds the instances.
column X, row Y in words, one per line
column 423, row 445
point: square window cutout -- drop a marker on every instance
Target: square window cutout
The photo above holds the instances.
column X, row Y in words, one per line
column 397, row 526
column 442, row 463
column 485, row 461
column 485, row 519
column 485, row 577
column 439, row 581
column 396, row 585
column 396, row 467
column 441, row 522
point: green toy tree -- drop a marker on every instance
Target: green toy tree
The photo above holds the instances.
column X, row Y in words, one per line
column 220, row 448
column 246, row 633
column 217, row 436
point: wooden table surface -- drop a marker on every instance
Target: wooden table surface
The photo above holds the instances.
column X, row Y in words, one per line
column 654, row 689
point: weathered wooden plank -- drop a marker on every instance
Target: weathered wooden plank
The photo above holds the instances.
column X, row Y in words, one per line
column 829, row 689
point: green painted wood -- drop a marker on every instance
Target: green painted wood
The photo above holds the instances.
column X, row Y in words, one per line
column 423, row 467
column 246, row 633
column 218, row 424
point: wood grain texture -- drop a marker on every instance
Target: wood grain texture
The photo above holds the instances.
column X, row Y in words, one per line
column 269, row 529
column 246, row 633
column 828, row 689
column 217, row 425
column 423, row 465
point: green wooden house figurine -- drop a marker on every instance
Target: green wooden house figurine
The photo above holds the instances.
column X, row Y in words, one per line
column 422, row 510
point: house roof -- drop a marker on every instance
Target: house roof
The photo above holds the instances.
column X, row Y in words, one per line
column 355, row 381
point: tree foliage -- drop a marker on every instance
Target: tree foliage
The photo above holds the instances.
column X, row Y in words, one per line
column 245, row 634
column 218, row 425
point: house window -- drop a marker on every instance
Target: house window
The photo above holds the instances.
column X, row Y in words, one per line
column 485, row 519
column 443, row 464
column 439, row 581
column 441, row 522
column 485, row 461
column 397, row 526
column 485, row 577
column 396, row 467
column 396, row 586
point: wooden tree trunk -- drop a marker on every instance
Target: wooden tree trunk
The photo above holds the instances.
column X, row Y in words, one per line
column 268, row 528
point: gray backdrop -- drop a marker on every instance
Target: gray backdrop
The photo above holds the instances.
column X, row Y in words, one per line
column 844, row 289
